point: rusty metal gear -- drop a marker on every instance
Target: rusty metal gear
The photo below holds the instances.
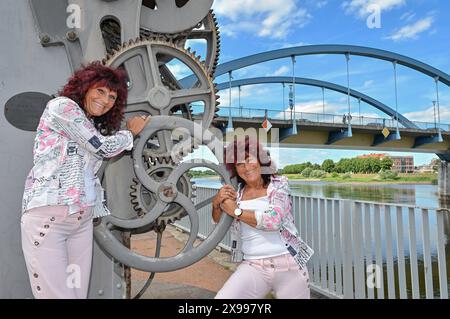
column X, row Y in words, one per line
column 144, row 200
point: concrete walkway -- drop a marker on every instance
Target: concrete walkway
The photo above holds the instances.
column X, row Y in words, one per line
column 201, row 280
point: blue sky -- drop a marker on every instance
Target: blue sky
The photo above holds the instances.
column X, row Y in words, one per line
column 415, row 28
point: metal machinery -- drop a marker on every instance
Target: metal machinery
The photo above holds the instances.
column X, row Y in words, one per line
column 147, row 188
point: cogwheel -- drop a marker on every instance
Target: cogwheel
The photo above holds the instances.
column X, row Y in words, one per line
column 146, row 61
column 209, row 31
column 143, row 200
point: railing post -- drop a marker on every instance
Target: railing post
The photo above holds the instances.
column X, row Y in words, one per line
column 347, row 249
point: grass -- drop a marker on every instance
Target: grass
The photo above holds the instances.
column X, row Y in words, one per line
column 425, row 178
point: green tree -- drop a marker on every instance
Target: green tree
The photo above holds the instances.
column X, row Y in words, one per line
column 307, row 172
column 328, row 165
column 386, row 163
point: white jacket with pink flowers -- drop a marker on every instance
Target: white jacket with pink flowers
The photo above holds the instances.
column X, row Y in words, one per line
column 65, row 141
column 277, row 218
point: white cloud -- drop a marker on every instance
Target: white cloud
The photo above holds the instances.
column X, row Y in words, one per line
column 411, row 31
column 224, row 98
column 280, row 71
column 363, row 8
column 408, row 16
column 265, row 18
column 321, row 4
column 368, row 84
column 428, row 115
column 179, row 70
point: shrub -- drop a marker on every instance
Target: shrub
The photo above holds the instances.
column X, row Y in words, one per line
column 347, row 176
column 385, row 175
column 318, row 173
column 334, row 174
column 307, row 172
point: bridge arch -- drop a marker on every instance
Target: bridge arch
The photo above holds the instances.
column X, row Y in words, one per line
column 318, row 83
column 334, row 49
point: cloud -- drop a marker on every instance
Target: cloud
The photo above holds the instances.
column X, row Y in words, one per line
column 265, row 18
column 411, row 31
column 321, row 4
column 408, row 16
column 428, row 115
column 224, row 98
column 280, row 71
column 368, row 84
column 178, row 69
column 363, row 8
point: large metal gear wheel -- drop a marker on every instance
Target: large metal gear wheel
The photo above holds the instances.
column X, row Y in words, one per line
column 150, row 90
column 173, row 16
column 167, row 193
column 143, row 200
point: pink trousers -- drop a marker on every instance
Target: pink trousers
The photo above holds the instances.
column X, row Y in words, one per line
column 255, row 278
column 58, row 251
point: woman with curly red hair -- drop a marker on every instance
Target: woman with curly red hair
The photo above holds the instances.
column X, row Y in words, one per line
column 263, row 233
column 62, row 193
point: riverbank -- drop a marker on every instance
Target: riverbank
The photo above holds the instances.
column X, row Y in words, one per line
column 426, row 179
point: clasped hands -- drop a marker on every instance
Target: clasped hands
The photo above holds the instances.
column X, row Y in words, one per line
column 226, row 200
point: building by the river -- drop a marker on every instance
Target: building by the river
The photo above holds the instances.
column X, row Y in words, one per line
column 402, row 164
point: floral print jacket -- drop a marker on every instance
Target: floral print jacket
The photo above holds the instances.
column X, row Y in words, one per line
column 277, row 218
column 66, row 140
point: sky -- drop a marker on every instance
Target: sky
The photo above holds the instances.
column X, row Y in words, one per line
column 416, row 28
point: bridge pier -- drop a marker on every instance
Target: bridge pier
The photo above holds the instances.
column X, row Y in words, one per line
column 444, row 184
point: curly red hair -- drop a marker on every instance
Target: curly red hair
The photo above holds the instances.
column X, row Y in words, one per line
column 240, row 149
column 93, row 75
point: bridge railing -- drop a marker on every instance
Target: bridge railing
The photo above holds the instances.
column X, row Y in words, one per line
column 375, row 122
column 365, row 249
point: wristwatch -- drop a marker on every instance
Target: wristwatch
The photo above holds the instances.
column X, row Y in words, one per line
column 237, row 212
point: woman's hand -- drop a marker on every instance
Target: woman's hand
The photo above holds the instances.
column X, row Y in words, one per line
column 226, row 192
column 228, row 206
column 137, row 123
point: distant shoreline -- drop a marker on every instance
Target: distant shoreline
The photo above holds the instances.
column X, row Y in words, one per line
column 301, row 181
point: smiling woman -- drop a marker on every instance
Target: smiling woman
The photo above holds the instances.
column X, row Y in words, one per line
column 99, row 100
column 76, row 131
column 263, row 234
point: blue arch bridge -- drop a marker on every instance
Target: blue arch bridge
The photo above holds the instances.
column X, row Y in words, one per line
column 406, row 248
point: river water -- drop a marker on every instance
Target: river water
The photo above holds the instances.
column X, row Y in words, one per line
column 409, row 194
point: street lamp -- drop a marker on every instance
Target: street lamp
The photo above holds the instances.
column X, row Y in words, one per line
column 434, row 110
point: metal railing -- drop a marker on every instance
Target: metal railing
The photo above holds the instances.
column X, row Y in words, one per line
column 256, row 113
column 365, row 249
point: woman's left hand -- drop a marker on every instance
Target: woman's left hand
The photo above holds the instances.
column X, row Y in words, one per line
column 228, row 206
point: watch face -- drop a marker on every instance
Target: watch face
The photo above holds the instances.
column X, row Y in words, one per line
column 238, row 212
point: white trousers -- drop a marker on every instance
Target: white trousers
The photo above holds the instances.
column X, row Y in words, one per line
column 255, row 278
column 58, row 251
